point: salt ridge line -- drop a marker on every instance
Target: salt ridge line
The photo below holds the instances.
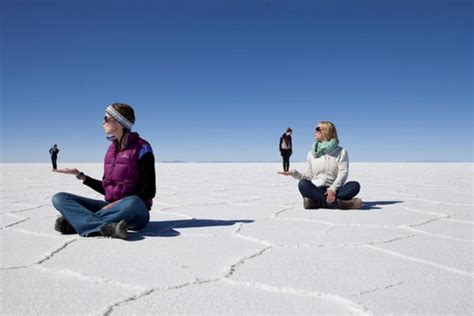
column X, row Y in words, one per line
column 268, row 246
column 378, row 289
column 355, row 307
column 407, row 227
column 434, row 264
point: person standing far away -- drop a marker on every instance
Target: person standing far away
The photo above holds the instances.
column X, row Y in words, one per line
column 286, row 148
column 54, row 155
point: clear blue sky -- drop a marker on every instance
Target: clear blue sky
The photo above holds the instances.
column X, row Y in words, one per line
column 221, row 80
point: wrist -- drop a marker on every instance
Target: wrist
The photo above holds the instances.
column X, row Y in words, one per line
column 81, row 176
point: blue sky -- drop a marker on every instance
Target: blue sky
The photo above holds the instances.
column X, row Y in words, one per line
column 221, row 80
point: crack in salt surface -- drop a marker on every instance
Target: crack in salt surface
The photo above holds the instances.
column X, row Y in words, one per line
column 440, row 214
column 27, row 209
column 146, row 292
column 434, row 264
column 241, row 261
column 415, row 198
column 84, row 277
column 357, row 308
column 191, row 205
column 350, row 305
column 268, row 245
column 14, row 268
column 428, row 221
column 378, row 289
column 45, row 257
column 286, row 208
column 419, row 231
column 109, row 309
column 15, row 223
column 406, row 227
column 29, row 232
column 336, row 224
column 52, row 253
column 459, row 221
column 326, row 245
column 327, row 230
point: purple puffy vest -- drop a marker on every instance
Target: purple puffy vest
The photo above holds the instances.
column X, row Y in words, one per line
column 121, row 175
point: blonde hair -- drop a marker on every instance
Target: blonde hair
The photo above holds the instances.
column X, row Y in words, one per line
column 328, row 130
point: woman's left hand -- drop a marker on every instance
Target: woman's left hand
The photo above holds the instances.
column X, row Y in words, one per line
column 331, row 196
column 72, row 171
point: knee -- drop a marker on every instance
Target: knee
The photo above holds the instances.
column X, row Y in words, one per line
column 58, row 198
column 133, row 201
column 355, row 186
column 303, row 184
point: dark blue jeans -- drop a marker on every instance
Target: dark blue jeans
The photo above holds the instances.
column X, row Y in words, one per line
column 88, row 216
column 285, row 154
column 346, row 192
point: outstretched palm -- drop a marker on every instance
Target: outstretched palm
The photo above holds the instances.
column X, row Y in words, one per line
column 73, row 171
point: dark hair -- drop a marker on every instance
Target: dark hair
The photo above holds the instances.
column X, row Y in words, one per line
column 126, row 110
column 289, row 129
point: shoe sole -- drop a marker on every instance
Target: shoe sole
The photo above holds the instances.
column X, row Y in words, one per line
column 121, row 230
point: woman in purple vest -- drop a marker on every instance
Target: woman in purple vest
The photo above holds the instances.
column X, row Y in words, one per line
column 128, row 184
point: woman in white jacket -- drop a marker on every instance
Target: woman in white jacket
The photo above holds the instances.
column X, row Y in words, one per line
column 324, row 184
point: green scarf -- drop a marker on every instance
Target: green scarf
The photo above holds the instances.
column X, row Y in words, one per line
column 322, row 148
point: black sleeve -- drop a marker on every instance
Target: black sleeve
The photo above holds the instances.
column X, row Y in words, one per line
column 280, row 142
column 146, row 167
column 94, row 184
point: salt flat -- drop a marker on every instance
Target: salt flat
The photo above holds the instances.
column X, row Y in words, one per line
column 234, row 239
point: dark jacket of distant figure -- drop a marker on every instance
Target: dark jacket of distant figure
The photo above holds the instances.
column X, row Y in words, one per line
column 54, row 152
column 287, row 139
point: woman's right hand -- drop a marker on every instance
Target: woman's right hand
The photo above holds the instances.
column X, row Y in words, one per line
column 286, row 173
column 72, row 171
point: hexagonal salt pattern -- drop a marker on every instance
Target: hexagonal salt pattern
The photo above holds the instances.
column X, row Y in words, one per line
column 235, row 239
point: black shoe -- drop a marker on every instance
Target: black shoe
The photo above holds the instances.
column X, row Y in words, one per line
column 311, row 205
column 352, row 204
column 115, row 230
column 62, row 225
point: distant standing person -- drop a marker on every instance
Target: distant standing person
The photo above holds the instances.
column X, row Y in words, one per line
column 54, row 155
column 286, row 148
column 324, row 184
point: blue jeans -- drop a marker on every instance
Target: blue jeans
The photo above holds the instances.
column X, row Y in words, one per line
column 88, row 216
column 346, row 192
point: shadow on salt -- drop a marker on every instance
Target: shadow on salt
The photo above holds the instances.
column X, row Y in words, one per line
column 166, row 228
column 377, row 205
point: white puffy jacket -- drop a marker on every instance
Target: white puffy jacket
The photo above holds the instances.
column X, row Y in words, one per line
column 330, row 170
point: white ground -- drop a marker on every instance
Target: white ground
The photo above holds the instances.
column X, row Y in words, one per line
column 235, row 239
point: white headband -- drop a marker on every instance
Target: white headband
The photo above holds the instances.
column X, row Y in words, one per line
column 119, row 117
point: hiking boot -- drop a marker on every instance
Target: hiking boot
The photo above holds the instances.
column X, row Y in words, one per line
column 310, row 204
column 115, row 230
column 351, row 204
column 62, row 225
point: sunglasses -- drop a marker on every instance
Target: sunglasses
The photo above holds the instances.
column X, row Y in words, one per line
column 318, row 129
column 108, row 119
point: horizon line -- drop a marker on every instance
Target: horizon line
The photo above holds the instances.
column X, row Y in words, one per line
column 246, row 161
